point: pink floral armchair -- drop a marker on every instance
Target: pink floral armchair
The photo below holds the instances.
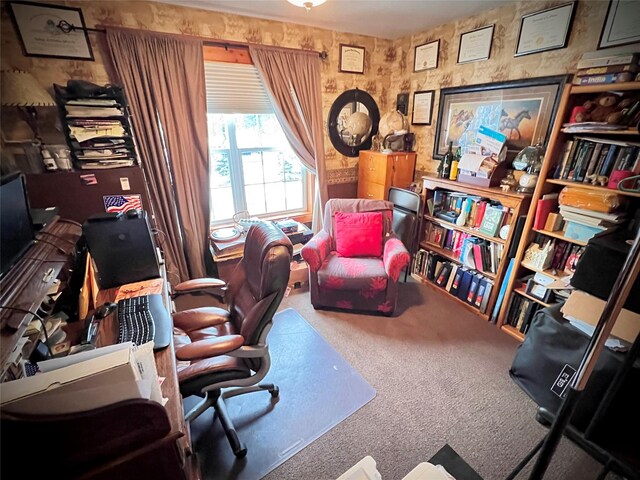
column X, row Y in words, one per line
column 362, row 283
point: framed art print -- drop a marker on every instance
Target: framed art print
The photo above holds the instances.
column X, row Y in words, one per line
column 426, row 56
column 351, row 59
column 475, row 45
column 545, row 30
column 37, row 27
column 621, row 24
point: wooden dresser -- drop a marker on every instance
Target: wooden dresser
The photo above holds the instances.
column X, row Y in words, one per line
column 378, row 171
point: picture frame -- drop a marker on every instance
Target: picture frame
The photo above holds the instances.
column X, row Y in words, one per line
column 475, row 45
column 539, row 292
column 435, row 234
column 36, row 25
column 499, row 106
column 620, row 25
column 422, row 111
column 545, row 30
column 351, row 59
column 426, row 56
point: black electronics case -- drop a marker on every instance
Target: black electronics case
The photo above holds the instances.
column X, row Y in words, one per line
column 122, row 248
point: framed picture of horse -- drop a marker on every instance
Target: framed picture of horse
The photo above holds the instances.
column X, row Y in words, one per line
column 521, row 109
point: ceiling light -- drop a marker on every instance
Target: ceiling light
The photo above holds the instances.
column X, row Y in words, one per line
column 306, row 3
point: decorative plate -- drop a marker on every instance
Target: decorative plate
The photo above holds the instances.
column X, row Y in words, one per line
column 504, row 232
column 225, row 234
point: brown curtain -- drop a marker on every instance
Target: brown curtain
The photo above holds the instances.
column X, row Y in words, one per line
column 163, row 77
column 292, row 78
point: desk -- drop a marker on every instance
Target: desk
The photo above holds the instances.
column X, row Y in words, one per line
column 166, row 366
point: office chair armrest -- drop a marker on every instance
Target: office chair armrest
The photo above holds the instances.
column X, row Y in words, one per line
column 200, row 285
column 316, row 250
column 198, row 318
column 210, row 348
column 248, row 351
column 395, row 257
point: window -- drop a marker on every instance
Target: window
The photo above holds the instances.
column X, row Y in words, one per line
column 252, row 165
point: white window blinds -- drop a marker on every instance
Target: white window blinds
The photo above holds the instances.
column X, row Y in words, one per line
column 235, row 88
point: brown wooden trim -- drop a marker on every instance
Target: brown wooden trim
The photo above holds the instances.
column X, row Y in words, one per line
column 226, row 54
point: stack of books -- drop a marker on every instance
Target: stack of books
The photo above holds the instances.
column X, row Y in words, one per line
column 583, row 224
column 614, row 65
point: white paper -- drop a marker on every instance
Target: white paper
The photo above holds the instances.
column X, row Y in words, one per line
column 471, row 162
column 56, row 363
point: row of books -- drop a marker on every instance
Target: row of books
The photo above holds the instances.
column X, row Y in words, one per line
column 473, row 252
column 459, row 281
column 520, row 313
column 469, row 211
column 584, row 157
column 614, row 65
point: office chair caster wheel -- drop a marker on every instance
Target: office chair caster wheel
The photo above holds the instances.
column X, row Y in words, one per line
column 275, row 392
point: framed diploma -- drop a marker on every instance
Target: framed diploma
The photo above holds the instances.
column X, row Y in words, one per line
column 475, row 45
column 620, row 24
column 37, row 27
column 351, row 59
column 545, row 30
column 426, row 56
column 422, row 107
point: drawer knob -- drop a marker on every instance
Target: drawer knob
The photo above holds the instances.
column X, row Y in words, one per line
column 369, row 195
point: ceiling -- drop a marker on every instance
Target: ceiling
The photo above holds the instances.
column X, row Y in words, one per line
column 378, row 18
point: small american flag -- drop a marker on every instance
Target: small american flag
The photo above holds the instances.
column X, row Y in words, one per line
column 122, row 203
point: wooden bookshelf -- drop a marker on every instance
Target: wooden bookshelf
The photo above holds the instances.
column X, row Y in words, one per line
column 560, row 236
column 517, row 202
column 571, row 96
column 586, row 186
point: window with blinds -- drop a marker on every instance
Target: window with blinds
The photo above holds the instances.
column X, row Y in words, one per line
column 252, row 166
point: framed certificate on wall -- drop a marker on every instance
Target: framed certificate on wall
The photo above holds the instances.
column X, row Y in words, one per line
column 475, row 45
column 545, row 30
column 426, row 56
column 422, row 107
column 351, row 59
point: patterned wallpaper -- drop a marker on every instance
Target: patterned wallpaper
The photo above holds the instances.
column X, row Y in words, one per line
column 379, row 57
column 388, row 68
column 501, row 66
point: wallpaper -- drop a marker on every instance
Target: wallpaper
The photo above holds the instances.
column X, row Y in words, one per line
column 379, row 53
column 501, row 66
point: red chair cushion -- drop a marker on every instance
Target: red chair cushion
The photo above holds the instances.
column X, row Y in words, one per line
column 358, row 234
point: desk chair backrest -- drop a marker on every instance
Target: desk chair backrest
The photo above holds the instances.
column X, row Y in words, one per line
column 406, row 215
column 259, row 281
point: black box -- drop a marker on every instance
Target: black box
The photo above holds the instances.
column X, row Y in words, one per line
column 600, row 265
column 122, row 248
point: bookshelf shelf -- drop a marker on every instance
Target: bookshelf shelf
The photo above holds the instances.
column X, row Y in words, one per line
column 628, row 131
column 433, row 286
column 548, row 272
column 521, row 291
column 560, row 236
column 514, row 332
column 586, row 186
column 471, row 231
column 448, row 254
column 607, row 87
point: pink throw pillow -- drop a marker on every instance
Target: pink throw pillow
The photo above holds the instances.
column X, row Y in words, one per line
column 359, row 234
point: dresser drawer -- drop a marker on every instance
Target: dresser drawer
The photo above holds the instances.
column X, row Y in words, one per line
column 373, row 168
column 371, row 190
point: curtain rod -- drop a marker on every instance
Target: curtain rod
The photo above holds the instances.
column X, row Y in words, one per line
column 67, row 27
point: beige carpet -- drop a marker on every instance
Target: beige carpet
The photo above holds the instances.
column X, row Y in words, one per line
column 441, row 376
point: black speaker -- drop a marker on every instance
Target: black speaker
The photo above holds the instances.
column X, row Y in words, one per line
column 122, row 248
column 402, row 103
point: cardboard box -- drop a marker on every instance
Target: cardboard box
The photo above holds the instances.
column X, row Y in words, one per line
column 84, row 381
column 588, row 308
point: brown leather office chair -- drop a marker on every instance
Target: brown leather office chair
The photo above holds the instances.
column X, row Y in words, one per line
column 223, row 353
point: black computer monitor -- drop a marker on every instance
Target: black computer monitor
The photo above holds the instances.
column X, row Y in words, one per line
column 16, row 227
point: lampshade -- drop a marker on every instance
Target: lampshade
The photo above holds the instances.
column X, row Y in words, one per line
column 21, row 89
column 306, row 3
